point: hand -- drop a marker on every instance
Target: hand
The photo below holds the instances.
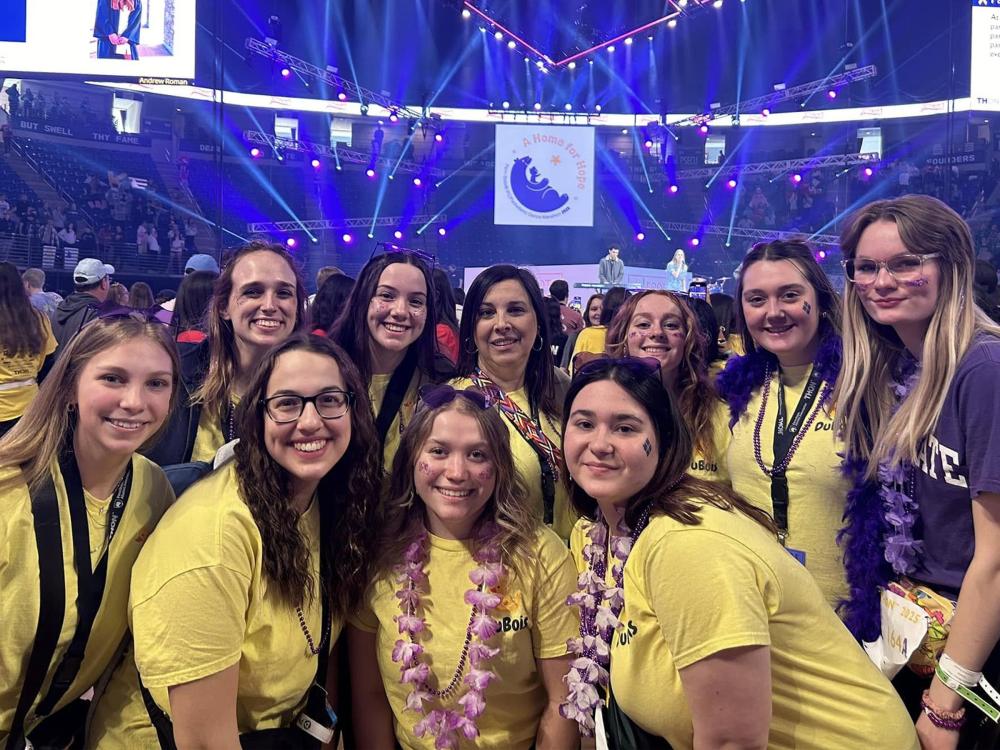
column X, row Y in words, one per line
column 933, row 738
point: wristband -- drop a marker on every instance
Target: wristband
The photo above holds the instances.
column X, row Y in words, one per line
column 959, row 673
column 982, row 704
column 950, row 720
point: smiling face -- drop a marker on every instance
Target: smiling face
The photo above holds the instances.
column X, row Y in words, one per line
column 454, row 474
column 310, row 446
column 657, row 330
column 262, row 305
column 781, row 310
column 594, row 311
column 610, row 444
column 902, row 305
column 123, row 396
column 397, row 312
column 506, row 327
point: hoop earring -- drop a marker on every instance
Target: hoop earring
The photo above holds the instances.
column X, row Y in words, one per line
column 538, row 348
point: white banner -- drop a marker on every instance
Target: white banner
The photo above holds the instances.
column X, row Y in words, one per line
column 544, row 175
column 985, row 85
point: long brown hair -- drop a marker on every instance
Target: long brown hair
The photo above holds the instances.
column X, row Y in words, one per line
column 21, row 330
column 509, row 506
column 45, row 428
column 347, row 495
column 872, row 351
column 671, row 491
column 216, row 390
column 695, row 397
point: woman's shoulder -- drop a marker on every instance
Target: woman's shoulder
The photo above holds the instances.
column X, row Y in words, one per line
column 984, row 349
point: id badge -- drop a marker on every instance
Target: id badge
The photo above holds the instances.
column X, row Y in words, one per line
column 317, row 718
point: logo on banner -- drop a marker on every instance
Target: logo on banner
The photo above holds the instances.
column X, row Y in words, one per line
column 545, row 175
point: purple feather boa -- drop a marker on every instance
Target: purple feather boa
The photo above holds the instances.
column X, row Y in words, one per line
column 744, row 375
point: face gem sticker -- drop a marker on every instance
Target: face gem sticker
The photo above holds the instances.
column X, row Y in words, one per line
column 647, row 446
column 807, row 308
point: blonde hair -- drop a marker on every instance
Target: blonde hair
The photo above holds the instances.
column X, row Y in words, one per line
column 873, row 352
column 47, row 425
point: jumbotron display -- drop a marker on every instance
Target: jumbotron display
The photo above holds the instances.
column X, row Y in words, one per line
column 148, row 41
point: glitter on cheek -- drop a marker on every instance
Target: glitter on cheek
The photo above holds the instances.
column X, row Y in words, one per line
column 380, row 307
column 424, row 468
column 917, row 282
column 806, row 307
column 485, row 475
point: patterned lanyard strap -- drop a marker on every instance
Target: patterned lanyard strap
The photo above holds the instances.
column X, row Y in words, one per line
column 529, row 428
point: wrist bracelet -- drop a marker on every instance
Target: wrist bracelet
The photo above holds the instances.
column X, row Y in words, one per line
column 950, row 720
column 957, row 672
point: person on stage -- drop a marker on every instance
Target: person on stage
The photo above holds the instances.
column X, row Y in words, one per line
column 462, row 643
column 112, row 30
column 77, row 503
column 611, row 270
column 917, row 402
column 716, row 636
column 783, row 455
column 677, row 273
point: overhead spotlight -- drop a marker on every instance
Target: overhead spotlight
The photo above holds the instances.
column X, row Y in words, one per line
column 392, row 176
column 672, row 23
column 822, row 254
column 417, row 181
column 527, row 59
column 482, row 29
column 370, row 172
column 466, row 13
column 590, row 61
column 285, row 72
column 255, row 152
column 731, row 184
column 624, row 131
column 831, row 94
column 568, row 107
column 397, row 234
column 315, row 163
column 628, row 41
column 442, row 231
column 682, row 3
column 339, row 168
column 538, row 106
column 364, row 110
column 291, row 242
column 650, row 37
column 611, row 48
column 640, row 236
column 869, row 171
column 511, row 44
column 314, row 240
column 674, row 189
column 279, row 156
column 695, row 242
column 498, row 35
column 347, row 237
column 342, row 96
column 371, row 235
column 597, row 107
column 648, row 143
column 717, row 4
column 438, row 138
column 505, row 104
column 572, row 65
column 393, row 117
column 765, row 112
column 796, row 178
column 703, row 129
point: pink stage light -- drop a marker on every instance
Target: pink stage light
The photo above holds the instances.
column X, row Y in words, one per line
column 869, row 171
column 315, row 163
column 397, row 234
column 822, row 254
column 370, row 172
column 438, row 137
column 796, row 178
column 731, row 184
column 765, row 112
column 674, row 189
column 285, row 72
column 703, row 129
column 291, row 242
column 648, row 143
column 348, row 238
column 255, row 152
column 342, row 96
column 831, row 94
column 695, row 242
column 442, row 231
column 640, row 236
column 417, row 181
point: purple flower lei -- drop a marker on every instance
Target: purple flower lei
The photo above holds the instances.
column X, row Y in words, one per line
column 600, row 606
column 445, row 724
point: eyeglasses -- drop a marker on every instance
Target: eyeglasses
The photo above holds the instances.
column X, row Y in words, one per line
column 154, row 314
column 383, row 248
column 287, row 407
column 434, row 396
column 906, row 267
column 640, row 366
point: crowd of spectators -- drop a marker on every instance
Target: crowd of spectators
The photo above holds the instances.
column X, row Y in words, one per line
column 57, row 110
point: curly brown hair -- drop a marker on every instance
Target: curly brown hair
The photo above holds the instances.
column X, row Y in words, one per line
column 347, row 495
column 696, row 398
column 509, row 506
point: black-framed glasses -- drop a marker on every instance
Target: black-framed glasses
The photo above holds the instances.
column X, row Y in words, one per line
column 641, row 366
column 905, row 267
column 287, row 407
column 434, row 396
column 383, row 248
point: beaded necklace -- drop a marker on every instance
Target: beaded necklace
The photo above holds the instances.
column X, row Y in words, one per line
column 445, row 724
column 600, row 607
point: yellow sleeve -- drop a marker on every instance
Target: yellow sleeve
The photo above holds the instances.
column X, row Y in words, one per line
column 50, row 340
column 553, row 623
column 722, row 436
column 717, row 603
column 577, row 541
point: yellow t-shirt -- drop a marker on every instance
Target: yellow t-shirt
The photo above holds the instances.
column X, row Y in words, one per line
column 590, row 339
column 817, row 491
column 376, row 393
column 714, row 468
column 15, row 367
column 209, row 438
column 535, row 623
column 694, row 591
column 526, row 461
column 199, row 605
column 149, row 497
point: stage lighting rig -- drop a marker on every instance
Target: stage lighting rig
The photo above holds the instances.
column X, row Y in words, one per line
column 356, row 222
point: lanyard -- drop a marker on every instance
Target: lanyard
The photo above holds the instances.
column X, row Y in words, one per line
column 90, row 581
column 785, row 443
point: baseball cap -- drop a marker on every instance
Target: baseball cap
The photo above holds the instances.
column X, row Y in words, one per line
column 90, row 271
column 201, row 262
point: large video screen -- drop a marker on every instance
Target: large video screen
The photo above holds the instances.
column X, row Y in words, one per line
column 985, row 55
column 147, row 41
